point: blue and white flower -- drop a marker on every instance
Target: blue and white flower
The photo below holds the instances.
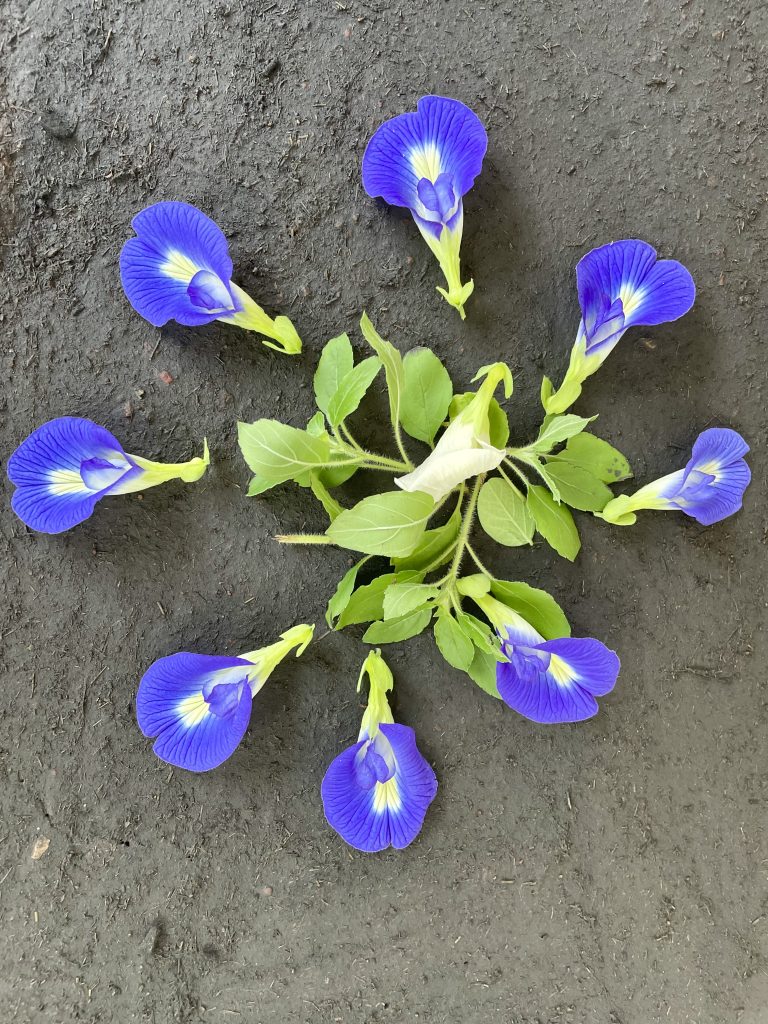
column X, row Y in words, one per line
column 376, row 793
column 709, row 488
column 548, row 681
column 621, row 285
column 69, row 464
column 427, row 161
column 197, row 706
column 179, row 268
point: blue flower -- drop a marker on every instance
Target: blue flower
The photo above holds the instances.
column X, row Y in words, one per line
column 198, row 706
column 620, row 285
column 427, row 162
column 376, row 793
column 710, row 488
column 64, row 467
column 179, row 268
column 549, row 681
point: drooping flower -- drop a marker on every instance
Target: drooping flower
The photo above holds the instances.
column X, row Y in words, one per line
column 464, row 449
column 621, row 285
column 197, row 706
column 710, row 487
column 377, row 792
column 548, row 681
column 68, row 464
column 179, row 268
column 427, row 161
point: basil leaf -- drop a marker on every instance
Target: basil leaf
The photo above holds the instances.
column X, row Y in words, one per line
column 394, row 630
column 393, row 366
column 596, row 455
column 344, row 588
column 427, row 393
column 431, row 545
column 278, row 452
column 351, row 390
column 503, row 514
column 578, row 487
column 536, row 606
column 555, row 429
column 401, row 598
column 554, row 522
column 454, row 645
column 367, row 603
column 335, row 363
column 385, row 524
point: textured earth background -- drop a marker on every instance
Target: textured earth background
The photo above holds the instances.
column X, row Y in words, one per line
column 608, row 873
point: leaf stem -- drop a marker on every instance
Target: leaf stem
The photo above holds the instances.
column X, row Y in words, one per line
column 466, row 528
column 478, row 563
column 303, row 538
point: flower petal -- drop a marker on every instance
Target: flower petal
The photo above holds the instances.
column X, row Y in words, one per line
column 52, row 495
column 717, row 445
column 443, row 137
column 386, row 814
column 441, row 471
column 563, row 690
column 716, row 500
column 171, row 705
column 175, row 241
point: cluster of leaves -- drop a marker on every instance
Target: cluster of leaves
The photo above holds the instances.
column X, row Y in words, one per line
column 532, row 492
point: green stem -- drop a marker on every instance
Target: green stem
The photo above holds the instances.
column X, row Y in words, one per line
column 478, row 563
column 466, row 529
column 518, row 473
column 303, row 538
column 401, row 446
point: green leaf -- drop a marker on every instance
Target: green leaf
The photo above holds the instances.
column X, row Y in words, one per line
column 316, row 425
column 344, row 588
column 597, row 456
column 393, row 631
column 259, row 485
column 540, row 468
column 385, row 524
column 432, row 544
column 454, row 645
column 497, row 418
column 427, row 393
column 393, row 366
column 277, row 452
column 352, row 389
column 536, row 606
column 555, row 429
column 332, row 476
column 402, row 598
column 320, row 491
column 503, row 514
column 481, row 634
column 335, row 363
column 483, row 672
column 554, row 522
column 367, row 603
column 578, row 487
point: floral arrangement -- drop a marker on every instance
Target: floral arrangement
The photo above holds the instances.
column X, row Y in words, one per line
column 415, row 535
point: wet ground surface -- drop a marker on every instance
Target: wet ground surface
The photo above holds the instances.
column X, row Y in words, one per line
column 607, row 873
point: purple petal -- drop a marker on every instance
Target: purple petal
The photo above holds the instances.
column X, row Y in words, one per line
column 386, row 814
column 443, row 135
column 651, row 291
column 709, row 498
column 208, row 292
column 563, row 688
column 197, row 705
column 175, row 241
column 718, row 444
column 52, row 495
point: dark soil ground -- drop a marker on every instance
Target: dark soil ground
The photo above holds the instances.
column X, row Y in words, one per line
column 608, row 873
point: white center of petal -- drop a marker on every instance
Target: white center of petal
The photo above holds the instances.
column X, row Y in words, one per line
column 66, row 481
column 425, row 161
column 560, row 671
column 631, row 298
column 179, row 267
column 386, row 797
column 192, row 710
